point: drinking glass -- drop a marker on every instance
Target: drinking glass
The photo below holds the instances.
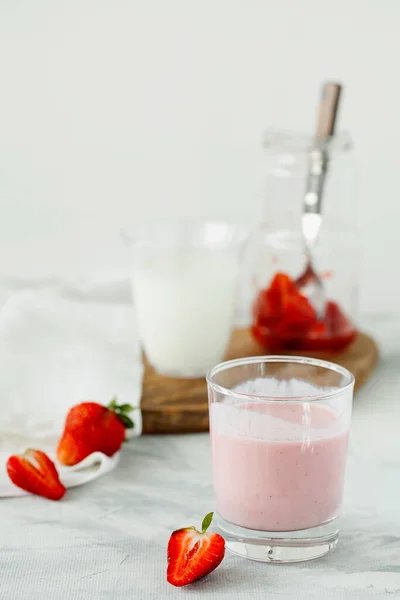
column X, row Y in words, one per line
column 279, row 429
column 184, row 277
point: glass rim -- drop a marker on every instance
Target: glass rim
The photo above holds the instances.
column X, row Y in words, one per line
column 292, row 239
column 138, row 230
column 272, row 358
column 297, row 141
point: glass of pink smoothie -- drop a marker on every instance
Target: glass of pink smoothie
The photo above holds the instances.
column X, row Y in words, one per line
column 279, row 430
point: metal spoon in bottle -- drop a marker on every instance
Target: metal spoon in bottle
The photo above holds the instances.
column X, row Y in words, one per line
column 309, row 283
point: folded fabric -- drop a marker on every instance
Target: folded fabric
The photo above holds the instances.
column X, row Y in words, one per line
column 61, row 345
column 92, row 467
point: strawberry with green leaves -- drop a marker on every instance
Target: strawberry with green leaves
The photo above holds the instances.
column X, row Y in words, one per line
column 91, row 427
column 193, row 554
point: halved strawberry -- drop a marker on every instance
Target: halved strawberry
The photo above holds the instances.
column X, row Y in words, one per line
column 193, row 555
column 34, row 472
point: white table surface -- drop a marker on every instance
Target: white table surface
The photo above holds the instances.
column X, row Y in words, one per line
column 107, row 540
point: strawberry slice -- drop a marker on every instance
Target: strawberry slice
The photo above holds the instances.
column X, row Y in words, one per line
column 193, row 555
column 34, row 472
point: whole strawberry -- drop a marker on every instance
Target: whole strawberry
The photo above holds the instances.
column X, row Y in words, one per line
column 91, row 427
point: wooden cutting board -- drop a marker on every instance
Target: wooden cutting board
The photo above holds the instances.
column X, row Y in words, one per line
column 180, row 405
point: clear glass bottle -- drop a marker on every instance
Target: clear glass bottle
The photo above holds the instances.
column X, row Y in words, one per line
column 282, row 318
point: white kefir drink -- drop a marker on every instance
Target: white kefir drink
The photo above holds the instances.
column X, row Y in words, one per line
column 185, row 302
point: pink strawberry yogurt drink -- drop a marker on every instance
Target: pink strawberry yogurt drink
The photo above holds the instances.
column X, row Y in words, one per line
column 279, row 450
column 276, row 480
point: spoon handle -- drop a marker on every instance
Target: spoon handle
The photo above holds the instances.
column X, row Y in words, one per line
column 318, row 163
column 328, row 109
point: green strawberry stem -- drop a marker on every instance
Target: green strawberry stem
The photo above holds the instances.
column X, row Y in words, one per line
column 206, row 522
column 122, row 410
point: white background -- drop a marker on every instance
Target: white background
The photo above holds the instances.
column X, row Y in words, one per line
column 115, row 110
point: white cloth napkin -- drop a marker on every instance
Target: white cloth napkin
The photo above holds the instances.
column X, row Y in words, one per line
column 61, row 345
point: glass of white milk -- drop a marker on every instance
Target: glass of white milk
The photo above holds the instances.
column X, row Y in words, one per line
column 184, row 276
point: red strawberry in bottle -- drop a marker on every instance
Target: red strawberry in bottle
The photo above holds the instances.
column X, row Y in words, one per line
column 282, row 316
column 284, row 320
column 91, row 427
column 336, row 321
column 193, row 554
column 340, row 330
column 34, row 472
